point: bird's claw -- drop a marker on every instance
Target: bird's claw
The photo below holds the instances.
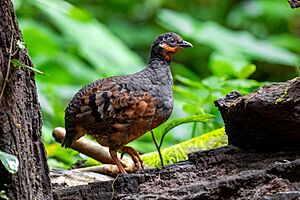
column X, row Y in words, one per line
column 135, row 156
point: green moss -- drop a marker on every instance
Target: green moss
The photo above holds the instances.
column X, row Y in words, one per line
column 178, row 152
column 282, row 97
column 229, row 104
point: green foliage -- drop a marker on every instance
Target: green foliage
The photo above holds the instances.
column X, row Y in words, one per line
column 10, row 162
column 198, row 96
column 96, row 42
column 238, row 45
column 3, row 195
column 166, row 127
column 230, row 66
column 241, row 44
column 17, row 63
column 179, row 152
column 20, row 44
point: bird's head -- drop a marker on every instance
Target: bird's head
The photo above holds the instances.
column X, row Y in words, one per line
column 166, row 45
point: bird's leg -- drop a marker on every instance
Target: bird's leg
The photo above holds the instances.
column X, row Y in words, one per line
column 114, row 156
column 135, row 156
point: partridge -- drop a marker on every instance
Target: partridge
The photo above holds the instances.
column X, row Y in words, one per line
column 120, row 109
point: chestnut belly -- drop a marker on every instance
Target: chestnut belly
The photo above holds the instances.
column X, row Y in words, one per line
column 125, row 134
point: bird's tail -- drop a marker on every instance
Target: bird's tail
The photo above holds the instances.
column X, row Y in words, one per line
column 70, row 126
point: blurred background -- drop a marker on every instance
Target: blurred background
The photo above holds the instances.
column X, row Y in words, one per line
column 238, row 45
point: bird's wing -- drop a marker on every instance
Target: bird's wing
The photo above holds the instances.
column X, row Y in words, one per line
column 108, row 107
column 115, row 105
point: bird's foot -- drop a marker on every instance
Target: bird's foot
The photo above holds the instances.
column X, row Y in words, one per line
column 135, row 156
column 114, row 156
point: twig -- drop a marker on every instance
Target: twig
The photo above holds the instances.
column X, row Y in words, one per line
column 158, row 149
column 162, row 139
column 9, row 59
column 108, row 169
column 8, row 66
column 91, row 149
column 15, row 52
column 113, row 188
column 194, row 129
column 294, row 3
column 17, row 63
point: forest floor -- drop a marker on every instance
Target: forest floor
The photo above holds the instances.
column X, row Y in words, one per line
column 224, row 173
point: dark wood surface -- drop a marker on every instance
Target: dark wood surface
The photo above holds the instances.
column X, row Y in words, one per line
column 267, row 119
column 20, row 117
column 264, row 162
column 224, row 173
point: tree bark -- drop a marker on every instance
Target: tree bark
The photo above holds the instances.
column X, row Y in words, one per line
column 268, row 119
column 227, row 173
column 20, row 117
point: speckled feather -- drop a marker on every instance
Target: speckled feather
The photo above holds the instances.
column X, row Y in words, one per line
column 119, row 109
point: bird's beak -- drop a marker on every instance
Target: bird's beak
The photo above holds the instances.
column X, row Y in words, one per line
column 184, row 44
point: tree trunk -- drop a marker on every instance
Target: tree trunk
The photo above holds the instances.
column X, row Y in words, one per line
column 20, row 117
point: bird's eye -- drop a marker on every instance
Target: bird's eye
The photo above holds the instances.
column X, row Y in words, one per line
column 172, row 40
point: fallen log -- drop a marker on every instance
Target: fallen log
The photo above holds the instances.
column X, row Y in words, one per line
column 97, row 152
column 266, row 120
column 263, row 164
column 224, row 173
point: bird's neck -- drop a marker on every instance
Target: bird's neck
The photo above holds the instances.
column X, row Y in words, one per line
column 159, row 70
column 159, row 54
column 159, row 65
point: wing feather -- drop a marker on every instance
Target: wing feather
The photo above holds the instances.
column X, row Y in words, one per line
column 109, row 107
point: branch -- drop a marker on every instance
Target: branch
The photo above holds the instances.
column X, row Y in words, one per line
column 158, row 149
column 96, row 151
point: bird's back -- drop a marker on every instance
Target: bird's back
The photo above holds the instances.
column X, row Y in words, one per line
column 119, row 109
column 72, row 110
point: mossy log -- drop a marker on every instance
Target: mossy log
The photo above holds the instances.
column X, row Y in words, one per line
column 266, row 120
column 224, row 173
